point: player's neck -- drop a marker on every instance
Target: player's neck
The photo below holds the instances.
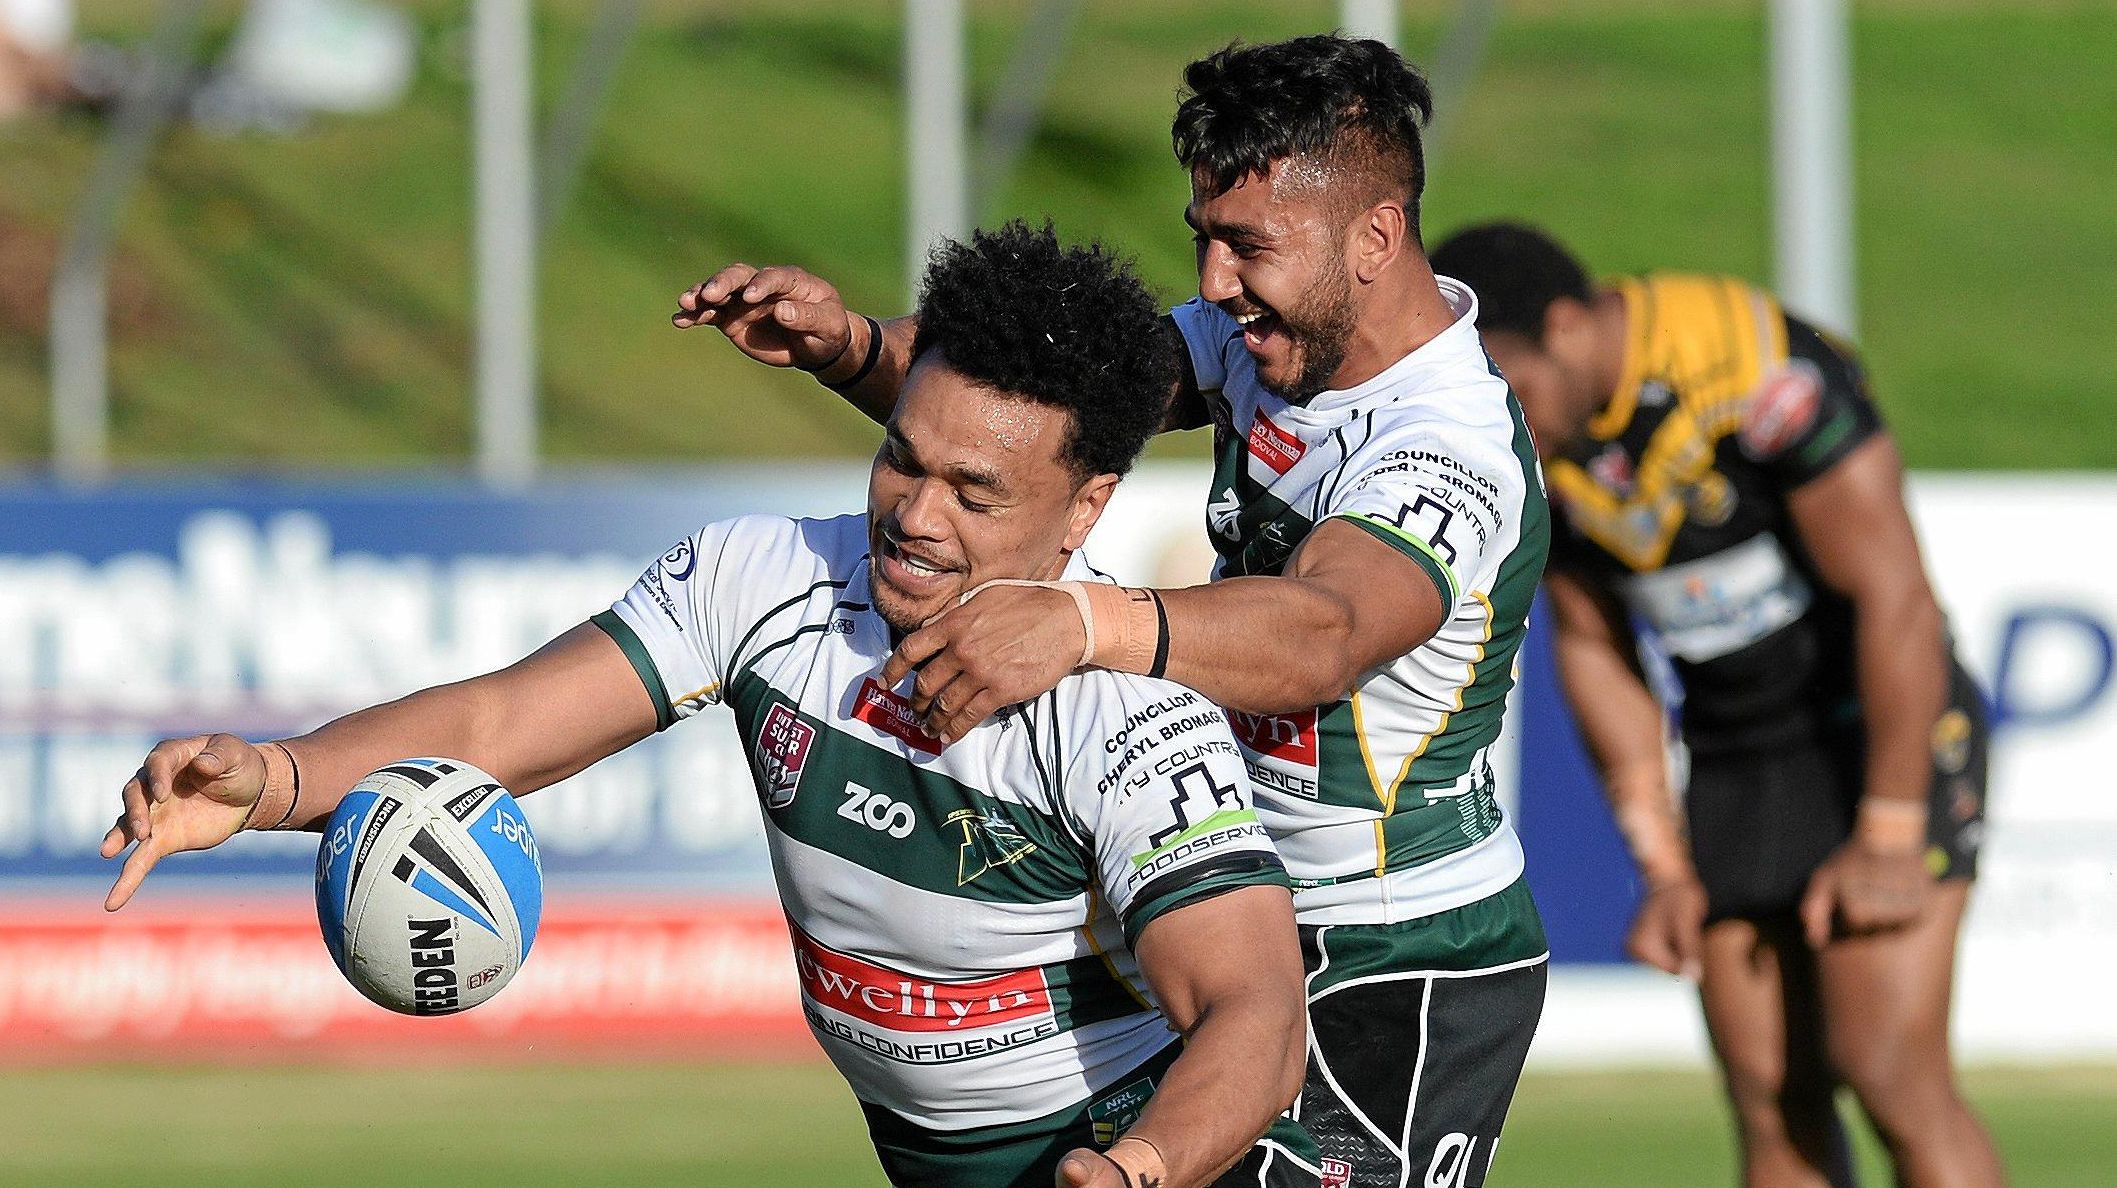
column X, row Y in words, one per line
column 1403, row 312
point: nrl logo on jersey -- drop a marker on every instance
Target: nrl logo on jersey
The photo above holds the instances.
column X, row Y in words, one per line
column 989, row 840
column 782, row 749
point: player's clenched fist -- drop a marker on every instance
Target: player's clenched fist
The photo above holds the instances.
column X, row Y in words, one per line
column 782, row 316
column 190, row 794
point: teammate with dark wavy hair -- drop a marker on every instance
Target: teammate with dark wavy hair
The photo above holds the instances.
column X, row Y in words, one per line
column 1381, row 526
column 1349, row 104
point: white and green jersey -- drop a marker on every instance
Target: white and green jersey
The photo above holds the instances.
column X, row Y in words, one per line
column 962, row 916
column 1382, row 803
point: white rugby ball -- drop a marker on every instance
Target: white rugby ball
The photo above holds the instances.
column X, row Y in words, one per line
column 428, row 886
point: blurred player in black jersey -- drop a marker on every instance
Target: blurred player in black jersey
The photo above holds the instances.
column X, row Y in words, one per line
column 1721, row 480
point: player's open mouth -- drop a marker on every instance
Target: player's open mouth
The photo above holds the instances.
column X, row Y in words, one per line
column 910, row 571
column 1258, row 327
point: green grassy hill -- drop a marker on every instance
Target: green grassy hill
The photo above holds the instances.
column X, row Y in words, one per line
column 303, row 301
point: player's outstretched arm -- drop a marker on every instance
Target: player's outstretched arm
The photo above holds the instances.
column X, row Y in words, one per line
column 1263, row 645
column 1227, row 972
column 783, row 316
column 569, row 704
column 1854, row 524
column 1598, row 667
column 788, row 317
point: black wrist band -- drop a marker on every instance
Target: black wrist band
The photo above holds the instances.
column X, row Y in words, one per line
column 867, row 365
column 1160, row 667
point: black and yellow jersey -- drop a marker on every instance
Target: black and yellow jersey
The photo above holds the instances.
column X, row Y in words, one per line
column 1675, row 499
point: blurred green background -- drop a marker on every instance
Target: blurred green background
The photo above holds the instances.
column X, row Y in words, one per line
column 290, row 302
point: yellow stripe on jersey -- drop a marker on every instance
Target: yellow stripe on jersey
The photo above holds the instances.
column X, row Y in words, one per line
column 1389, row 798
column 1710, row 341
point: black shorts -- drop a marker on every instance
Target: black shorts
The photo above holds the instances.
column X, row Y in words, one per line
column 1417, row 1034
column 1762, row 821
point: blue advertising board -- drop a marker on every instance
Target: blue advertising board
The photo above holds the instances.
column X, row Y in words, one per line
column 147, row 610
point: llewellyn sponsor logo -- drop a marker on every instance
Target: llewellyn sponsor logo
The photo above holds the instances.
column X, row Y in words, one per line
column 892, row 715
column 1290, row 737
column 1273, row 446
column 782, row 748
column 893, row 1000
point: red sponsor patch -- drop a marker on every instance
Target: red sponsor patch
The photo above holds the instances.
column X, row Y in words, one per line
column 1291, row 737
column 894, row 1000
column 1336, row 1173
column 1273, row 446
column 892, row 715
column 1783, row 408
column 782, row 748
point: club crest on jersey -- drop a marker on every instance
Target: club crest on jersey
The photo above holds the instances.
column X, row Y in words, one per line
column 782, row 749
column 989, row 840
column 1336, row 1173
column 1782, row 410
column 892, row 715
column 1273, row 446
column 1612, row 468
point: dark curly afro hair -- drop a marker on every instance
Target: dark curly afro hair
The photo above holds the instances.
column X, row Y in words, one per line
column 1069, row 327
column 1345, row 101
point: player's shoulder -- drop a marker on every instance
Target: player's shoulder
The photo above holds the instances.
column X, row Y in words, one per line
column 775, row 551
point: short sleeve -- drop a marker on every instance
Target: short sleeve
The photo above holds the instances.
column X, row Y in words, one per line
column 1805, row 417
column 1207, row 335
column 1157, row 782
column 1448, row 509
column 666, row 625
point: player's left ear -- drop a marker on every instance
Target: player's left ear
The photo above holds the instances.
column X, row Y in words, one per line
column 1378, row 235
column 1088, row 504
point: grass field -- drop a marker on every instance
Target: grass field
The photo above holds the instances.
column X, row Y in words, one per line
column 795, row 1126
column 301, row 301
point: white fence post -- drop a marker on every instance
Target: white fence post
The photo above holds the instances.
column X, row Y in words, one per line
column 506, row 237
column 935, row 114
column 1812, row 214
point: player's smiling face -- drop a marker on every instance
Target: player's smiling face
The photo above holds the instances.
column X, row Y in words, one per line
column 970, row 485
column 1271, row 253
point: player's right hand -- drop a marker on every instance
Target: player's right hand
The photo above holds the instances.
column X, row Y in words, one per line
column 190, row 794
column 1669, row 931
column 780, row 316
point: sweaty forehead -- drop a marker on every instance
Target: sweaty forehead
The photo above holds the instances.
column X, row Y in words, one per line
column 975, row 432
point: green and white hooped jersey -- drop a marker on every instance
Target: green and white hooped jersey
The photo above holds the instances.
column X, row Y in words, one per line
column 963, row 917
column 1382, row 803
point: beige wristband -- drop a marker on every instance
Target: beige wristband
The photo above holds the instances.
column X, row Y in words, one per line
column 1656, row 841
column 1124, row 625
column 1889, row 825
column 1139, row 1159
column 282, row 790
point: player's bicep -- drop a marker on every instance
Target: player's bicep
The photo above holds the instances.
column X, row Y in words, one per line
column 1393, row 602
column 1853, row 522
column 1217, row 949
column 572, row 702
